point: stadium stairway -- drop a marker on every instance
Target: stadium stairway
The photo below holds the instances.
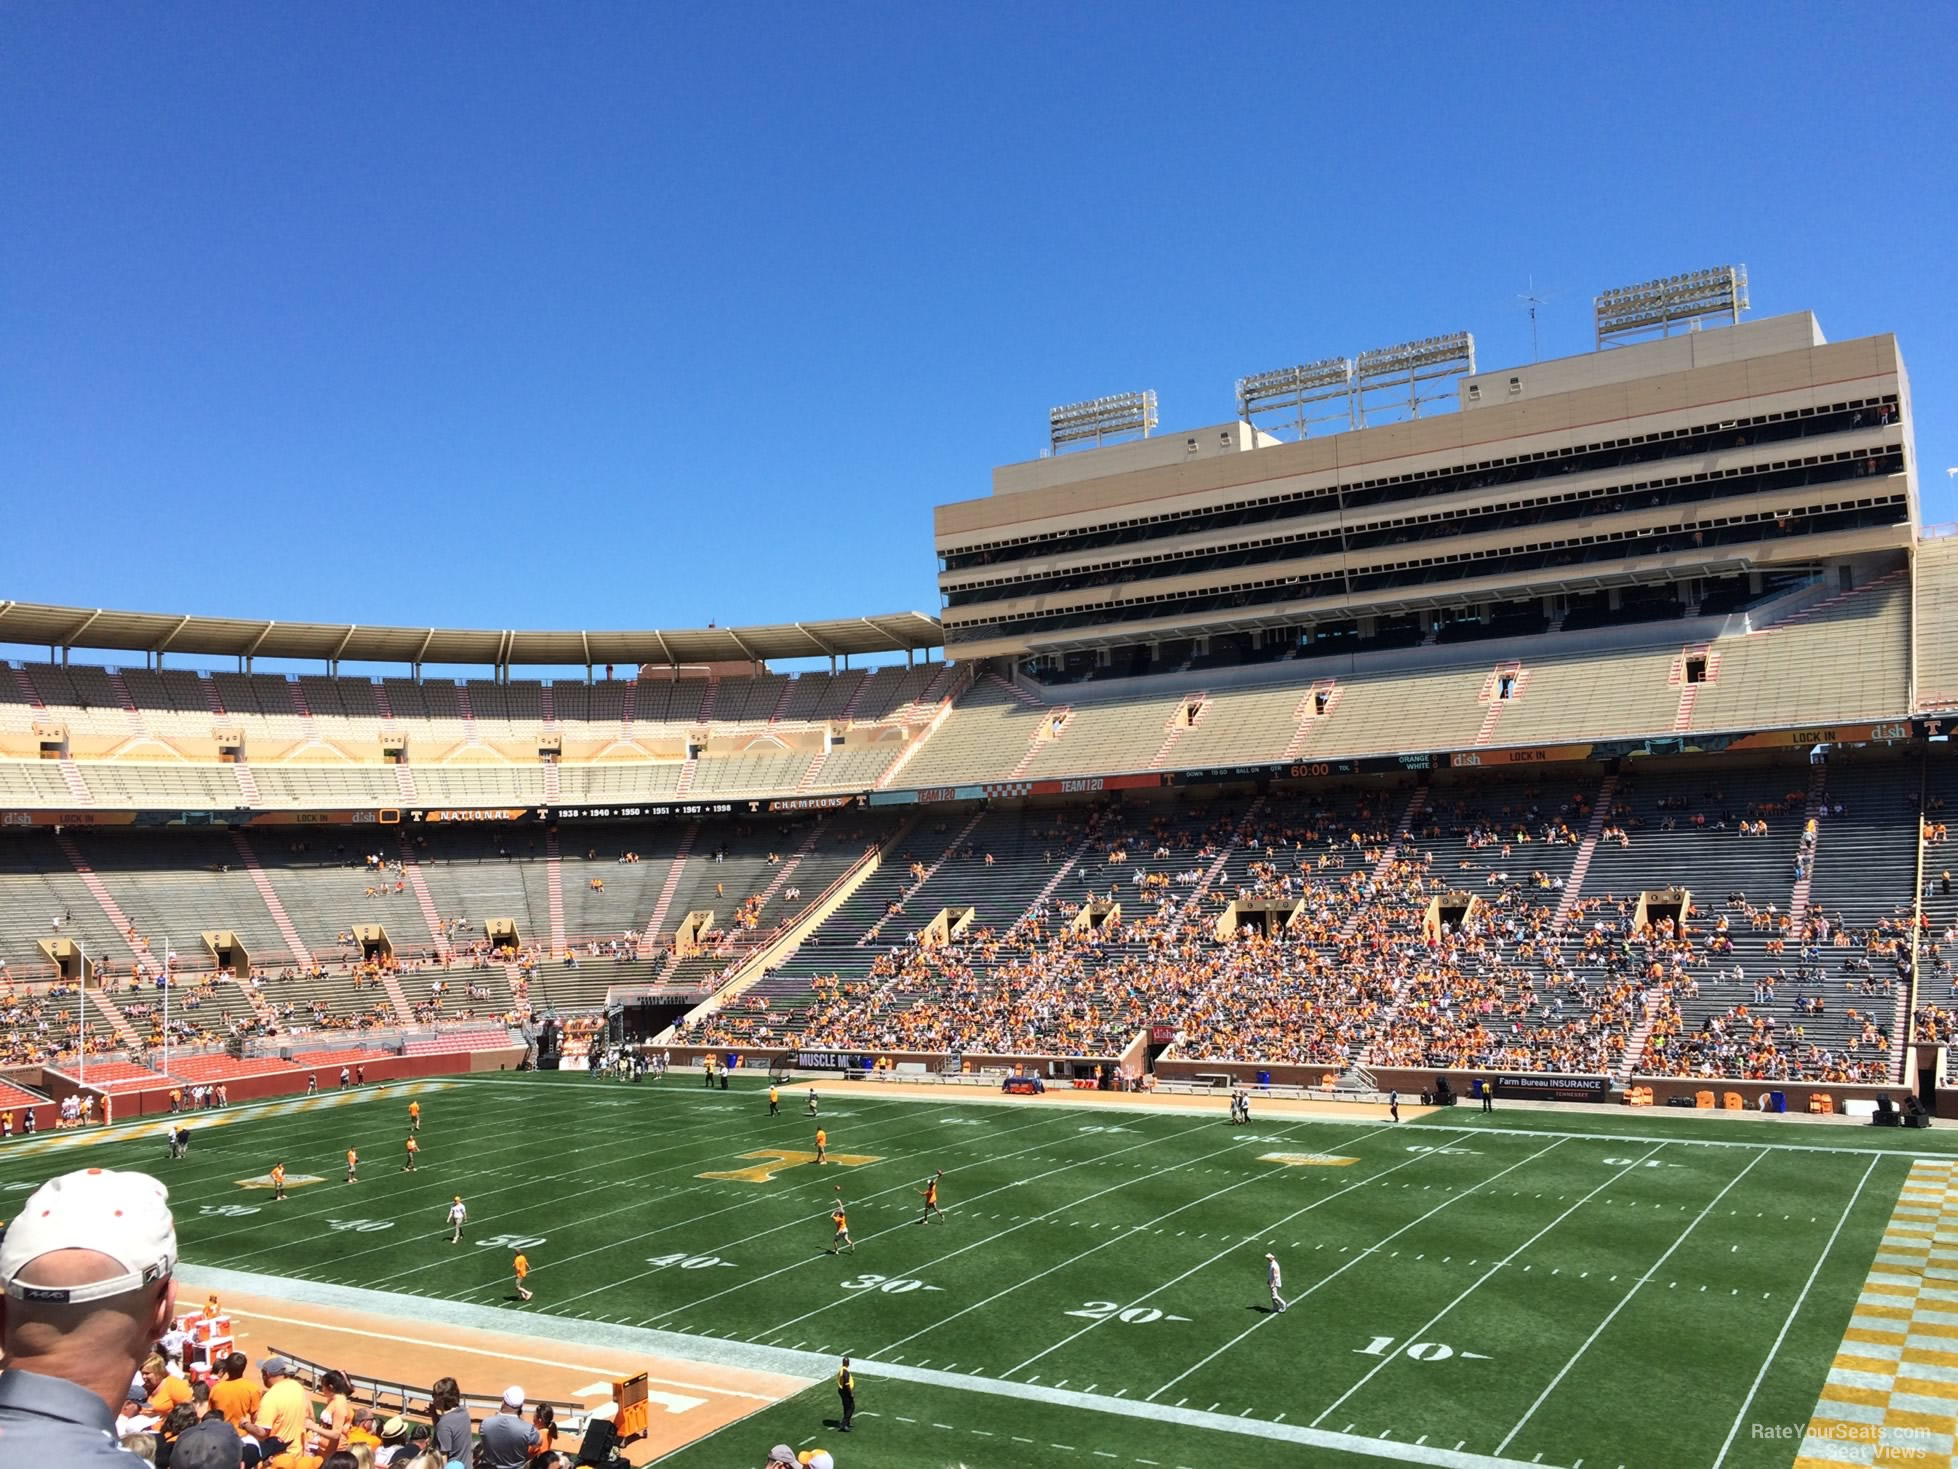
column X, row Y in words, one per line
column 674, row 872
column 554, row 878
column 295, row 946
column 96, row 890
column 417, row 880
column 1818, row 781
column 951, row 849
column 1587, row 849
column 1409, row 814
column 72, row 778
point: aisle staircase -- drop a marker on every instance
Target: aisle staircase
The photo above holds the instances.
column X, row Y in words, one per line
column 1587, row 849
column 295, row 946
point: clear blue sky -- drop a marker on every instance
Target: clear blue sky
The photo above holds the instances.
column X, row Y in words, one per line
column 638, row 315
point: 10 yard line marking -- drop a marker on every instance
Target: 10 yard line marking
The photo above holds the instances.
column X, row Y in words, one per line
column 1362, row 1255
column 1204, row 1265
column 1117, row 1239
column 1637, row 1285
column 1793, row 1310
column 1420, row 1331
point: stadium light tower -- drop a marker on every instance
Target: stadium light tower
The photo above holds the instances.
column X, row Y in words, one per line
column 1413, row 367
column 1630, row 313
column 1100, row 419
column 1298, row 389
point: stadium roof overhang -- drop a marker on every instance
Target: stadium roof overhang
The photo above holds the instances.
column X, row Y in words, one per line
column 41, row 625
column 1410, row 599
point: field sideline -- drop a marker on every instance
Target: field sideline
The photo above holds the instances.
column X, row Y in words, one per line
column 1544, row 1287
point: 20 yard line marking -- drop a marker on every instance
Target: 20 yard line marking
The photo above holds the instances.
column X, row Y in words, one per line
column 1206, row 1264
column 1793, row 1311
column 1327, row 1279
column 1625, row 1301
column 1420, row 1332
column 1082, row 1255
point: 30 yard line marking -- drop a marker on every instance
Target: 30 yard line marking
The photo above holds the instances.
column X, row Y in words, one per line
column 1420, row 1332
column 1363, row 1255
column 892, row 1229
column 1782, row 1335
column 1625, row 1301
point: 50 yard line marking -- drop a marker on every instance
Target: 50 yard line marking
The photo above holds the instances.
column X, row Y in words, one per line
column 1793, row 1311
column 618, row 1242
column 1334, row 1275
column 332, row 1200
column 745, row 1204
column 1420, row 1332
column 1637, row 1286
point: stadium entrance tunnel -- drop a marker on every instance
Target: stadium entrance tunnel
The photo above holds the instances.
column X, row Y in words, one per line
column 691, row 936
column 374, row 942
column 68, row 960
column 1666, row 905
column 1448, row 912
column 503, row 933
column 1265, row 917
column 1093, row 917
column 226, row 951
column 946, row 925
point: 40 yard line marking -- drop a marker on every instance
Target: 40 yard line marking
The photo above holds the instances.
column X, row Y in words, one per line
column 747, row 1203
column 1637, row 1285
column 892, row 1229
column 1420, row 1332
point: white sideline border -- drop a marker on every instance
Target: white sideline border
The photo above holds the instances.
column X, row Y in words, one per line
column 809, row 1367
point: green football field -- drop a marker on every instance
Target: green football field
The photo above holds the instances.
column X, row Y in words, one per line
column 1554, row 1287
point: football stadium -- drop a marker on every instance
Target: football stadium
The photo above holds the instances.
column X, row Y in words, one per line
column 1354, row 928
column 1031, row 737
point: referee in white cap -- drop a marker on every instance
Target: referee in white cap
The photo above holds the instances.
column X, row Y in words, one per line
column 86, row 1271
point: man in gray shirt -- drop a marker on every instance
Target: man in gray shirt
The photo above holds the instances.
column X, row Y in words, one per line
column 506, row 1439
column 86, row 1274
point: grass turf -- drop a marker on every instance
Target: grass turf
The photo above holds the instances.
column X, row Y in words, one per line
column 1611, row 1288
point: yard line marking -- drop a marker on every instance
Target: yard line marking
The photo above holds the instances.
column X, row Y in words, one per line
column 1082, row 1255
column 634, row 1240
column 1420, row 1332
column 466, row 1143
column 892, row 1229
column 1626, row 1300
column 1295, row 1214
column 1328, row 1279
column 747, row 1202
column 1793, row 1310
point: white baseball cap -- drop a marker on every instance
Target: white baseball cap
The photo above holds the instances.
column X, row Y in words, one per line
column 125, row 1216
column 513, row 1397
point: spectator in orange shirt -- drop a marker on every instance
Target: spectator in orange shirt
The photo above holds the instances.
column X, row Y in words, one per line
column 165, row 1388
column 235, row 1398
